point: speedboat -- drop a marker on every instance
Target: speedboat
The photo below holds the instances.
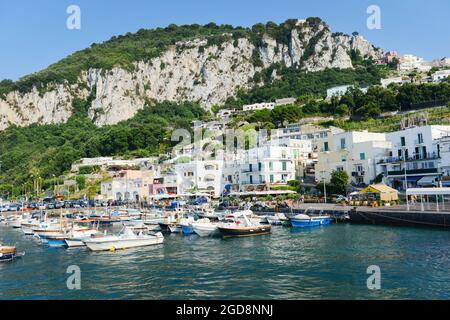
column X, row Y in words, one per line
column 306, row 221
column 126, row 239
column 9, row 253
column 205, row 228
column 277, row 219
column 243, row 226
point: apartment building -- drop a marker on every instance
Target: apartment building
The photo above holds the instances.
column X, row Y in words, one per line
column 355, row 153
column 415, row 157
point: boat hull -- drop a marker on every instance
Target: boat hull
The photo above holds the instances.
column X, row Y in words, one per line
column 122, row 244
column 228, row 232
column 308, row 223
column 187, row 229
column 206, row 230
column 74, row 243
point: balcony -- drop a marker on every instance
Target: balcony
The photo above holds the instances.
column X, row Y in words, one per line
column 358, row 174
column 415, row 157
column 413, row 172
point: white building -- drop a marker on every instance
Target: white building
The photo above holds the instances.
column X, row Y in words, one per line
column 420, row 147
column 259, row 106
column 338, row 91
column 200, row 176
column 410, row 62
column 386, row 82
column 285, row 101
column 355, row 153
column 131, row 185
column 441, row 75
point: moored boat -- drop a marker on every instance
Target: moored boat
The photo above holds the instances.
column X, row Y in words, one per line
column 8, row 253
column 205, row 228
column 127, row 239
column 277, row 219
column 243, row 226
column 306, row 221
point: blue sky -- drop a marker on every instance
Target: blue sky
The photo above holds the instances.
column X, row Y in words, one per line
column 33, row 33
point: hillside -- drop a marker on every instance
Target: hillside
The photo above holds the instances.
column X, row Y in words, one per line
column 206, row 64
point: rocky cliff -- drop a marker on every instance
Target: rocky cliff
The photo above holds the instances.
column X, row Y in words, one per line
column 187, row 70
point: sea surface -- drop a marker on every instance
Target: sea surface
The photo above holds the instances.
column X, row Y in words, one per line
column 324, row 263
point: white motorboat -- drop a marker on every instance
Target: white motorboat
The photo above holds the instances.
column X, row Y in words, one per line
column 277, row 219
column 205, row 228
column 75, row 239
column 127, row 239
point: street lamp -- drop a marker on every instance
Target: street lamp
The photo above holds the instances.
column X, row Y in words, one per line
column 324, row 186
column 406, row 182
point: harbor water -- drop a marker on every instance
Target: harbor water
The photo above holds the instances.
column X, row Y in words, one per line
column 322, row 263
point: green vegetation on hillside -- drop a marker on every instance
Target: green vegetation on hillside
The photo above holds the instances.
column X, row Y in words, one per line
column 47, row 150
column 364, row 108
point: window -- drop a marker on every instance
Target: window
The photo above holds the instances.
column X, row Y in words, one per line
column 271, row 178
column 420, row 137
column 325, row 146
column 402, row 141
column 259, row 166
column 270, row 165
column 362, row 156
column 250, row 167
column 343, row 144
column 284, row 166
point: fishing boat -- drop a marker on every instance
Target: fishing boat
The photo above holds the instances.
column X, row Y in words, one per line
column 205, row 228
column 125, row 240
column 9, row 253
column 186, row 225
column 307, row 221
column 243, row 226
column 277, row 219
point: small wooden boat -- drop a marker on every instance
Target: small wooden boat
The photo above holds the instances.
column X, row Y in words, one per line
column 9, row 253
column 243, row 226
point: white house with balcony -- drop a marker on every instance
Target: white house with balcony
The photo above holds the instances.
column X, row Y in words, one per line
column 200, row 176
column 415, row 157
column 441, row 75
column 355, row 153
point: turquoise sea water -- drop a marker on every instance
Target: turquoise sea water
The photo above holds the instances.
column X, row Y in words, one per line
column 323, row 263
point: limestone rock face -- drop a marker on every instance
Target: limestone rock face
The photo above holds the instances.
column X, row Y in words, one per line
column 187, row 71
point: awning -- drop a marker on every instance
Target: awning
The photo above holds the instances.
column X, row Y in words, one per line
column 427, row 181
column 409, row 179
